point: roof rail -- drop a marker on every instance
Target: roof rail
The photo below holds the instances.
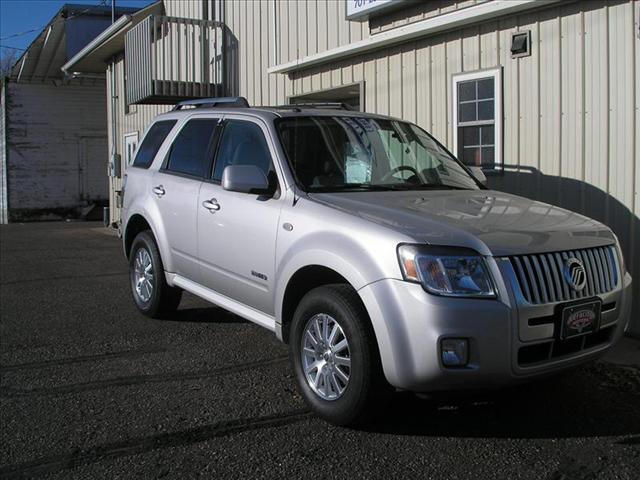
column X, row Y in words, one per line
column 212, row 102
column 327, row 105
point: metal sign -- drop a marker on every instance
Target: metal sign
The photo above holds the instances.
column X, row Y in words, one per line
column 360, row 8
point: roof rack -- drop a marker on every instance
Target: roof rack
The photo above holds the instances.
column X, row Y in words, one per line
column 212, row 102
column 327, row 105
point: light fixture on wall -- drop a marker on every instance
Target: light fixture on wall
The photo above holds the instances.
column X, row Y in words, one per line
column 521, row 44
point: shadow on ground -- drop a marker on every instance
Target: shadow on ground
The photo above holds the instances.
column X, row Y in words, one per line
column 203, row 315
column 601, row 399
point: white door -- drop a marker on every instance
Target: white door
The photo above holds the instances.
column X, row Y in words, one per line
column 237, row 241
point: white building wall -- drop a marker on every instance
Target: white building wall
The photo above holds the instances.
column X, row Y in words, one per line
column 53, row 135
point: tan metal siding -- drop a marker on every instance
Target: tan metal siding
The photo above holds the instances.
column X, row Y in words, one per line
column 571, row 115
column 570, row 109
column 419, row 10
column 185, row 8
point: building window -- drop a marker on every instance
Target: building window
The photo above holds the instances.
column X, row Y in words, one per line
column 477, row 118
column 130, row 145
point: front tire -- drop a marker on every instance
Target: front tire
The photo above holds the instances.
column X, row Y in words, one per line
column 335, row 356
column 151, row 293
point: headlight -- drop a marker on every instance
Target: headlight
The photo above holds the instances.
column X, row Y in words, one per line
column 445, row 271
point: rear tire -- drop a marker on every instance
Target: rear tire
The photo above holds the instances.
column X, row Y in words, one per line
column 338, row 372
column 151, row 293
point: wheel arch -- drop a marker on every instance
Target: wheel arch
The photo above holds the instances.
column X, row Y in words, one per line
column 299, row 284
column 136, row 224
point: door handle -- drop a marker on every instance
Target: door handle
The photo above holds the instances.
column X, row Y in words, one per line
column 211, row 205
column 159, row 190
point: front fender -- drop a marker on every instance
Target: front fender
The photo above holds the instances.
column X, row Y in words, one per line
column 340, row 253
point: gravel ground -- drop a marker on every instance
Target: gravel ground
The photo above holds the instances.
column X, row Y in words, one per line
column 92, row 389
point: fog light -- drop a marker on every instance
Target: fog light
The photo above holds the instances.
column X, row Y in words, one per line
column 455, row 352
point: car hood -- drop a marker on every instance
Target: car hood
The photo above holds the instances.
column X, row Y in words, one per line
column 490, row 222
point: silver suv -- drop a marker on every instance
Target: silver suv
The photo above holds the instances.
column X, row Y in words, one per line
column 363, row 244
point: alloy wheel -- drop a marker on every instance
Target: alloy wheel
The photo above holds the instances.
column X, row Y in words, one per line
column 143, row 275
column 326, row 359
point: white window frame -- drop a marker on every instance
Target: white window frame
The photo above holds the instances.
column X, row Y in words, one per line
column 127, row 136
column 496, row 73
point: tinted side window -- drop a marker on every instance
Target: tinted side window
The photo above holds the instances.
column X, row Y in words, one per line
column 152, row 142
column 242, row 143
column 188, row 153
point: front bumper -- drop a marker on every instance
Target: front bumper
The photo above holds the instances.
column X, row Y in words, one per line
column 409, row 324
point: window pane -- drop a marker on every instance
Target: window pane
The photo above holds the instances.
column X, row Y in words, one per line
column 485, row 88
column 152, row 142
column 243, row 143
column 466, row 91
column 488, row 157
column 485, row 110
column 188, row 152
column 487, row 135
column 470, row 136
column 467, row 112
column 471, row 156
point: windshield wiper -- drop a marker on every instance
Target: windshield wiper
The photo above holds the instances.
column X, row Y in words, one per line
column 429, row 186
column 351, row 187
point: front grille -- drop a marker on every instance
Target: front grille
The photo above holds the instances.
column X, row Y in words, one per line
column 556, row 349
column 541, row 277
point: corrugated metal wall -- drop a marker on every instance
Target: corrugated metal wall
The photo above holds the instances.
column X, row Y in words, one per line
column 571, row 113
column 571, row 109
column 416, row 11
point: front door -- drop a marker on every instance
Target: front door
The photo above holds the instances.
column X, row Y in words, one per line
column 176, row 187
column 237, row 239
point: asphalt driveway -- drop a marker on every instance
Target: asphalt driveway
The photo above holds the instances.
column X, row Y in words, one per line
column 92, row 389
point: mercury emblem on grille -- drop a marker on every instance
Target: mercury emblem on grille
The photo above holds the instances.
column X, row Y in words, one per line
column 575, row 274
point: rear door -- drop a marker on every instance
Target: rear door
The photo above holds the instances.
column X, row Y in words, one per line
column 237, row 240
column 175, row 189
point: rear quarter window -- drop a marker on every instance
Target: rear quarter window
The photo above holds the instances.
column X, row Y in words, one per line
column 152, row 143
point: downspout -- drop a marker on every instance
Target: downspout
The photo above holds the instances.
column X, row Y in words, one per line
column 114, row 160
column 4, row 155
column 114, row 169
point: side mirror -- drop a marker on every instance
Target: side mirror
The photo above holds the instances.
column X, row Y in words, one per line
column 244, row 179
column 479, row 174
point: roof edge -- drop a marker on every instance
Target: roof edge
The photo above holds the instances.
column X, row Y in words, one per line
column 124, row 22
column 115, row 28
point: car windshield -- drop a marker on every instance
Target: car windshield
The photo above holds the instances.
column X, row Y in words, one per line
column 339, row 153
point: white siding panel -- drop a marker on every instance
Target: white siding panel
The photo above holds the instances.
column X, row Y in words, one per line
column 511, row 94
column 550, row 87
column 408, row 99
column 184, row 8
column 395, row 84
column 439, row 82
column 528, row 100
